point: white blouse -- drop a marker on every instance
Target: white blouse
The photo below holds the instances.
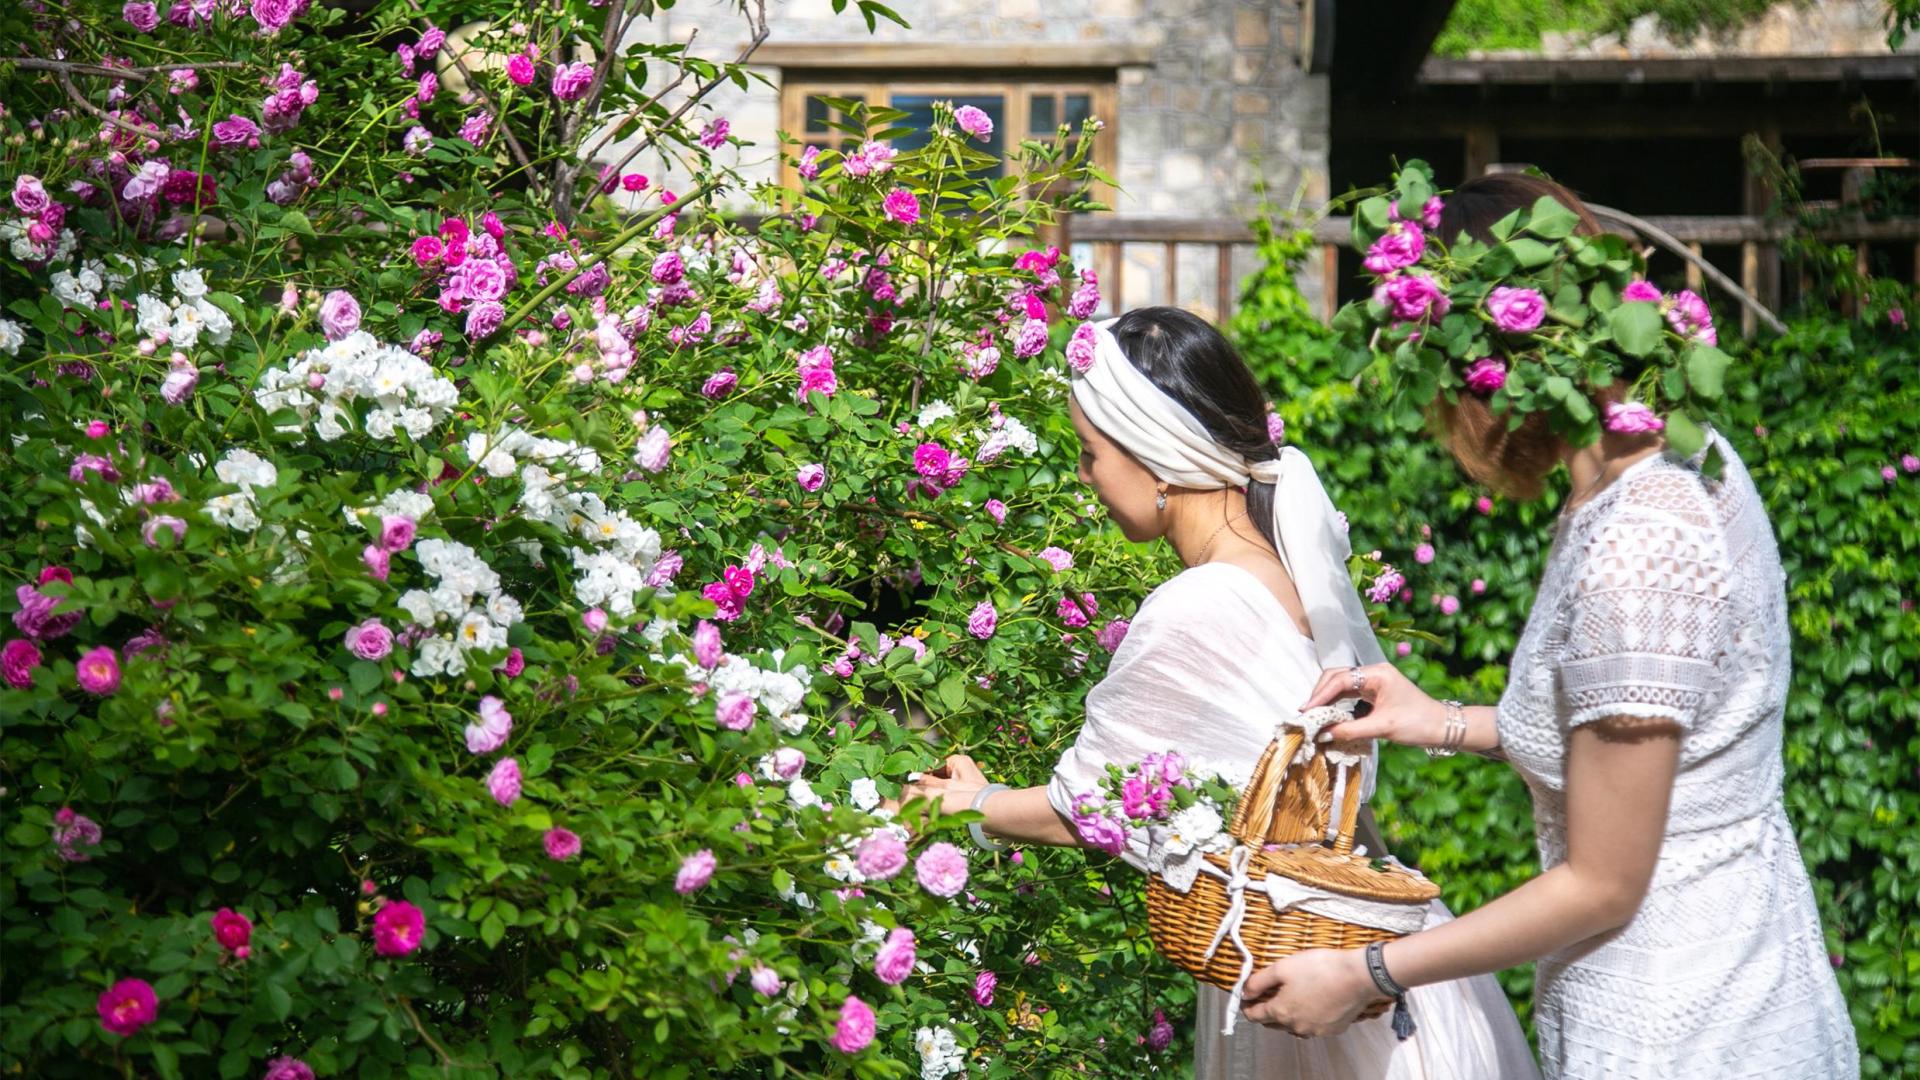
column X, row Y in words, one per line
column 1663, row 598
column 1211, row 662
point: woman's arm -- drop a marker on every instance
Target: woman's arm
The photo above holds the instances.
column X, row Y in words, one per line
column 1619, row 781
column 1023, row 815
column 1401, row 712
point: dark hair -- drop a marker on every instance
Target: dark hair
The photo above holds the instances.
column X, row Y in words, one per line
column 1512, row 461
column 1191, row 362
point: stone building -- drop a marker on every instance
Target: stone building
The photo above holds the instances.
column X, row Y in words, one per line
column 1206, row 102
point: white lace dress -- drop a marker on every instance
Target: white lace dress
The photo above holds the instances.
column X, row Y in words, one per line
column 1211, row 662
column 1663, row 598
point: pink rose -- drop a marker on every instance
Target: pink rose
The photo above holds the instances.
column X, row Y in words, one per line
column 855, row 1027
column 719, row 384
column 983, row 620
column 881, row 856
column 997, row 510
column 379, row 563
column 520, row 69
column 1082, row 348
column 570, row 81
column 707, row 646
column 18, row 659
column 973, row 121
column 503, row 783
column 1690, row 318
column 941, row 869
column 1112, row 634
column 1057, row 558
column 398, row 928
column 287, row 1068
column 1641, row 290
column 561, row 844
column 695, row 871
column 99, row 671
column 1031, row 340
column 1412, row 297
column 396, row 532
column 900, row 205
column 127, row 1006
column 30, row 195
column 734, row 710
column 489, row 732
column 810, row 477
column 765, row 981
column 984, row 985
column 231, row 929
column 339, row 314
column 895, row 960
column 1399, row 247
column 1486, row 375
column 1632, row 418
column 370, row 640
column 1449, row 605
column 1516, row 311
column 1423, row 554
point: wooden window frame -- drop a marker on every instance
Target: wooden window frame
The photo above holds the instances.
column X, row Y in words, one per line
column 877, row 88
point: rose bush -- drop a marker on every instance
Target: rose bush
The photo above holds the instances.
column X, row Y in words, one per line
column 465, row 605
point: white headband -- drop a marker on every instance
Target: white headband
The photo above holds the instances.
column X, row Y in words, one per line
column 1129, row 409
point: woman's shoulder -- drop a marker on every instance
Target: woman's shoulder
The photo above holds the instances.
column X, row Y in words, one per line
column 1210, row 591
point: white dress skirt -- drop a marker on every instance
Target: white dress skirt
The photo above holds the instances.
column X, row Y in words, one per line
column 1210, row 664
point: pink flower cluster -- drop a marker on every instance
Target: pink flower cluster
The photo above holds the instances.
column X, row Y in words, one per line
column 937, row 469
column 815, row 367
column 473, row 270
column 1386, row 585
column 71, row 831
column 729, row 594
column 45, row 215
column 1096, row 829
column 1077, row 614
column 871, row 159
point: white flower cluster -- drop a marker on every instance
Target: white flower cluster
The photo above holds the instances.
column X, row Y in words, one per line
column 499, row 454
column 13, row 233
column 1010, row 435
column 932, row 412
column 179, row 323
column 11, row 337
column 940, row 1055
column 778, row 693
column 400, row 503
column 249, row 471
column 620, row 551
column 321, row 384
column 467, row 599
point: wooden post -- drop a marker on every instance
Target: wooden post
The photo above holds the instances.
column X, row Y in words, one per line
column 1750, row 281
column 1116, row 276
column 1693, row 271
column 1223, row 282
column 1756, row 197
column 1483, row 148
column 1171, row 273
column 1329, row 282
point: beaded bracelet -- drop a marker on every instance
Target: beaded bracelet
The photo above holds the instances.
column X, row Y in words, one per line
column 1455, row 733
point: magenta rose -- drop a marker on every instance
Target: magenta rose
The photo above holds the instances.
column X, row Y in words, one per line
column 232, row 930
column 127, row 1006
column 1641, row 290
column 370, row 640
column 1412, row 297
column 561, row 844
column 1486, row 375
column 18, row 659
column 1516, row 311
column 99, row 671
column 901, row 206
column 570, row 81
column 1398, row 248
column 398, row 928
column 520, row 69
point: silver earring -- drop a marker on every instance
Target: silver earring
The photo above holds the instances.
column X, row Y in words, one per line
column 1159, row 500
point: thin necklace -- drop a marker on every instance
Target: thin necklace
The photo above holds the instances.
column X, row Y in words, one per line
column 1205, row 551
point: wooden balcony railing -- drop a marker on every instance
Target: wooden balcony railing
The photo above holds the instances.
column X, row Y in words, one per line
column 1757, row 242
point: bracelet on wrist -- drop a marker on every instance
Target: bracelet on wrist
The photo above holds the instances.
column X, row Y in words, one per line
column 1453, row 734
column 974, row 830
column 1403, row 1026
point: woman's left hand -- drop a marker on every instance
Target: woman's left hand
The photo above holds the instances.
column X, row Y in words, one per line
column 1311, row 994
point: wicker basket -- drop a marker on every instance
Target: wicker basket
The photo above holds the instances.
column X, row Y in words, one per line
column 1287, row 802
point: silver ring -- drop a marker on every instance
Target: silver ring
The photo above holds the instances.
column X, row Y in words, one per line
column 1359, row 680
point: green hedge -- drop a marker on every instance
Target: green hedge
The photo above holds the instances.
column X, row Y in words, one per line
column 1818, row 413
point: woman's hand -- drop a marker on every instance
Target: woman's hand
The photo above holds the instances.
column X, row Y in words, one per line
column 1313, row 993
column 954, row 784
column 1401, row 712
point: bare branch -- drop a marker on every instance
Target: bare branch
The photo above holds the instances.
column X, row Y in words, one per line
column 138, row 74
column 513, row 144
column 758, row 20
column 66, row 82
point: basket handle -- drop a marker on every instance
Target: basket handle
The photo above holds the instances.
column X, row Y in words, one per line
column 1254, row 816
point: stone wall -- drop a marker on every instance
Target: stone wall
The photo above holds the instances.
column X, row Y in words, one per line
column 1223, row 103
column 1816, row 28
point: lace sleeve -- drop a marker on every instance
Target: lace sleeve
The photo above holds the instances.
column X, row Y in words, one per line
column 1645, row 628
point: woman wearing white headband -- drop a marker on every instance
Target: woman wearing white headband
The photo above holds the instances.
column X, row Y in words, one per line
column 1174, row 442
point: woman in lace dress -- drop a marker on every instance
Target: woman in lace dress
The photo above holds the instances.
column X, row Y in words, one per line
column 1175, row 444
column 1673, row 923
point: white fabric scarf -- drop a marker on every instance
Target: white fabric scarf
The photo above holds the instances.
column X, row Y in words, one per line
column 1175, row 447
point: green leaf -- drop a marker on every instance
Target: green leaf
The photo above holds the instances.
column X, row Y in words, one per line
column 953, row 692
column 1684, row 435
column 1706, row 370
column 1636, row 327
column 1551, row 219
column 296, row 221
column 1529, row 253
column 364, row 675
column 279, row 1002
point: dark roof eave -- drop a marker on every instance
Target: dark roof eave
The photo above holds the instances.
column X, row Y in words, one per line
column 1546, row 71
